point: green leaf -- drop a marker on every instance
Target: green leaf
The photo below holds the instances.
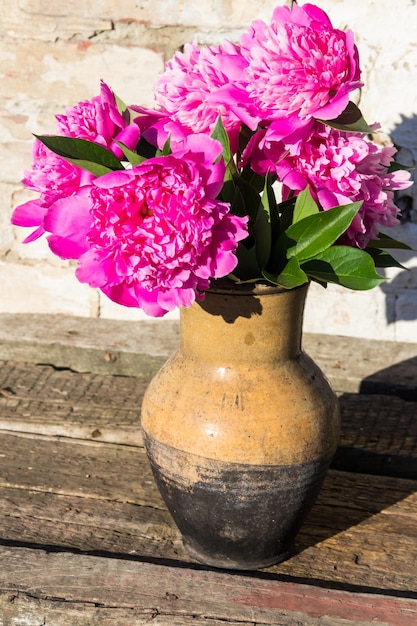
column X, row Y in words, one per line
column 291, row 276
column 145, row 149
column 94, row 168
column 262, row 230
column 255, row 180
column 315, row 233
column 166, row 150
column 219, row 133
column 230, row 193
column 286, row 208
column 351, row 120
column 350, row 267
column 130, row 155
column 81, row 152
column 395, row 167
column 266, row 227
column 273, row 208
column 385, row 241
column 247, row 267
column 304, row 205
column 121, row 106
column 382, row 258
column 250, row 197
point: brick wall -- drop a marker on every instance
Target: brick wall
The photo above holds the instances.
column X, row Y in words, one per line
column 53, row 54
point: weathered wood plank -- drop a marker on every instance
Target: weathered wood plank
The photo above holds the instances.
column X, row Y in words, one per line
column 87, row 469
column 139, row 348
column 336, row 544
column 379, row 436
column 379, row 433
column 365, row 365
column 155, row 590
column 88, row 344
column 102, row 497
column 21, row 610
column 40, row 399
column 87, row 524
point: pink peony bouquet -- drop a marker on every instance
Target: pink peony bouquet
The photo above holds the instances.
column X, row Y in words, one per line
column 255, row 165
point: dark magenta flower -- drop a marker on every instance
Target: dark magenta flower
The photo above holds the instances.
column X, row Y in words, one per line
column 152, row 236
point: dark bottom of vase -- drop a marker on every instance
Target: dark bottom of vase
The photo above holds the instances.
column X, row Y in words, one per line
column 225, row 562
column 234, row 515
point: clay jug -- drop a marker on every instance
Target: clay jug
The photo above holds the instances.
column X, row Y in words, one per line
column 240, row 426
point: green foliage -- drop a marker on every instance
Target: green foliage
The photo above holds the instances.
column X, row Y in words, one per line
column 85, row 154
column 343, row 265
column 166, row 148
column 219, row 133
column 383, row 259
column 304, row 205
column 317, row 232
column 290, row 277
column 351, row 120
column 386, row 242
column 133, row 157
column 307, row 248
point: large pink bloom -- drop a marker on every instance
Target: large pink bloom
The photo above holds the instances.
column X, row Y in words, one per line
column 152, row 236
column 157, row 127
column 341, row 168
column 52, row 177
column 200, row 84
column 99, row 120
column 299, row 67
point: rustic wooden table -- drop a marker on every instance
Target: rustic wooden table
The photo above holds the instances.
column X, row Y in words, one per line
column 86, row 540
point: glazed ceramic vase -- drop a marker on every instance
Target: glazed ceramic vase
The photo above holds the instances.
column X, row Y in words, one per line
column 240, row 426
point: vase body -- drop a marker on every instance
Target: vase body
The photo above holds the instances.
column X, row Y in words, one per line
column 240, row 426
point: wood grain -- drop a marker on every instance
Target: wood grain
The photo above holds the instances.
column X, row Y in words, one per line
column 85, row 538
column 93, row 345
column 139, row 348
column 70, row 494
column 379, row 433
column 186, row 592
column 21, row 610
column 43, row 400
column 75, row 467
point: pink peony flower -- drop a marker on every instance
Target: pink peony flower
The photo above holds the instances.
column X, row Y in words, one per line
column 341, row 168
column 51, row 176
column 99, row 120
column 200, row 84
column 299, row 67
column 152, row 236
column 157, row 128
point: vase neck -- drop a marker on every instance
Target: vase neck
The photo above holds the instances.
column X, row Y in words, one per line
column 232, row 327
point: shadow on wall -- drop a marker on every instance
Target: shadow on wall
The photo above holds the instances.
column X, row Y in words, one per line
column 401, row 291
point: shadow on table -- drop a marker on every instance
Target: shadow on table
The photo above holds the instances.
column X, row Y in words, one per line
column 399, row 380
column 375, row 466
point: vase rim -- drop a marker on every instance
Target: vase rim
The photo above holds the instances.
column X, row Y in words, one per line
column 228, row 287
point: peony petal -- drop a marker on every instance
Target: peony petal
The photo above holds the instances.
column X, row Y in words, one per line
column 29, row 213
column 129, row 137
column 70, row 217
column 67, row 248
column 34, row 235
column 91, row 270
column 114, row 179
